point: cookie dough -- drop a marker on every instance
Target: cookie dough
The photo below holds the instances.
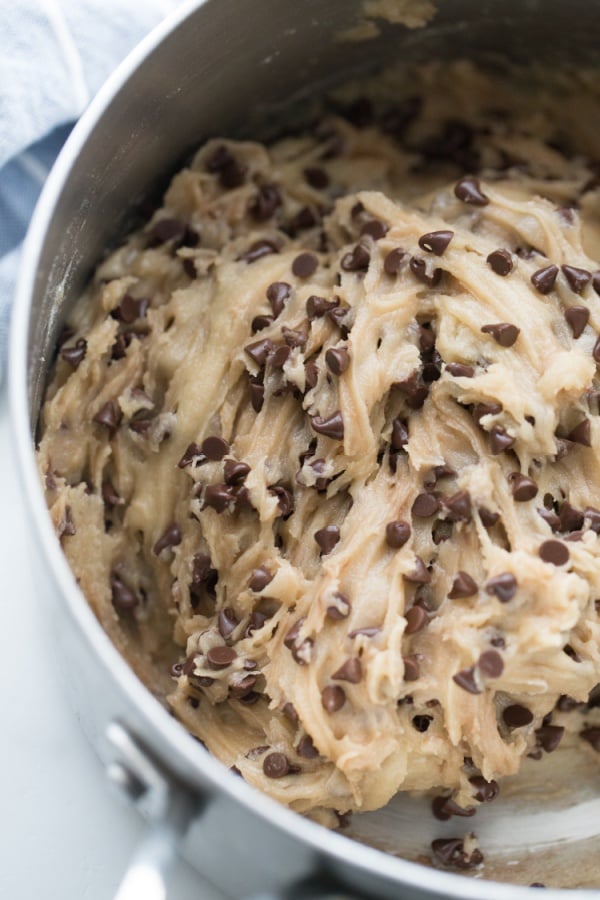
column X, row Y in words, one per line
column 322, row 443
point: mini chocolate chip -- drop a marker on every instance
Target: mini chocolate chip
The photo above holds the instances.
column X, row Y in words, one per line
column 259, row 351
column 469, row 191
column 215, row 448
column 193, row 451
column 171, row 537
column 554, row 552
column 131, row 308
column 577, row 317
column 259, row 323
column 257, row 250
column 500, row 261
column 462, row 586
column 109, row 416
column 416, row 619
column 331, row 426
column 311, row 374
column 466, row 680
column 220, row 657
column 443, row 808
column 227, row 623
column 435, row 241
column 451, row 852
column 596, row 351
column 399, row 434
column 333, row 698
column 166, row 229
column 279, row 356
column 218, row 497
column 375, row 229
column 592, row 736
column 289, row 711
column 327, row 538
column 485, row 791
column 523, row 487
column 503, row 333
column 458, row 507
column 411, row 668
column 74, row 355
column 418, row 267
column 318, row 306
column 350, row 671
column 235, row 472
column 485, row 409
column 316, row 177
column 459, row 370
column 257, row 395
column 277, row 293
column 259, row 579
column 341, row 609
column 543, row 279
column 516, row 716
column 294, row 338
column 593, row 517
column 421, row 723
column 265, row 202
column 337, row 360
column 425, row 505
column 306, row 748
column 305, row 265
column 490, row 664
column 549, row 737
column 414, row 389
column 110, row 495
column 581, row 434
column 578, row 278
column 357, row 260
column 393, row 261
column 397, row 533
column 419, row 575
column 488, row 518
column 500, row 440
column 503, row 586
column 276, row 765
column 123, row 598
column 285, row 499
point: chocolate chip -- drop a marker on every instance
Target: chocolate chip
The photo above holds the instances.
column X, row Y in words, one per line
column 554, row 552
column 500, row 261
column 74, row 355
column 277, row 293
column 227, row 623
column 259, row 323
column 425, row 505
column 215, row 448
column 393, row 261
column 503, row 586
column 192, row 452
column 218, row 497
column 490, row 664
column 517, row 716
column 581, row 434
column 487, row 517
column 285, row 499
column 350, row 671
column 110, row 495
column 469, row 191
column 500, row 440
column 577, row 317
column 266, row 202
column 459, row 370
column 289, row 711
column 305, row 265
column 578, row 278
column 375, row 229
column 311, row 374
column 451, row 852
column 327, row 538
column 259, row 579
column 485, row 409
column 109, row 416
column 435, row 241
column 276, row 765
column 305, row 218
column 458, row 507
column 279, row 356
column 259, row 351
column 596, row 282
column 411, row 668
column 592, row 736
column 485, row 791
column 220, row 657
column 397, row 533
column 340, row 609
column 316, row 177
column 123, row 598
column 337, row 360
column 131, row 308
column 466, row 680
column 443, row 808
column 418, row 267
column 593, row 517
column 419, row 574
column 399, row 434
column 523, row 488
column 257, row 395
column 257, row 250
column 357, row 260
column 171, row 537
column 234, row 471
column 306, row 748
column 596, row 351
column 421, row 723
column 549, row 737
column 318, row 306
column 331, row 426
column 222, row 161
column 414, row 389
column 366, row 631
column 543, row 279
column 503, row 333
column 416, row 619
column 333, row 698
column 165, row 230
column 462, row 586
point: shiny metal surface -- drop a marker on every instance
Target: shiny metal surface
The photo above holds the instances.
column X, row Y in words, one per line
column 222, row 66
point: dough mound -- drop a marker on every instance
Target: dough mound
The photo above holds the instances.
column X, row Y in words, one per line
column 322, row 447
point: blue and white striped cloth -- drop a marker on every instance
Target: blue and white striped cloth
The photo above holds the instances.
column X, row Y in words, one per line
column 55, row 56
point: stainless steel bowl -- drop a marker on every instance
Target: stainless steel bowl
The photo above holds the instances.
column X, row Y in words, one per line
column 240, row 68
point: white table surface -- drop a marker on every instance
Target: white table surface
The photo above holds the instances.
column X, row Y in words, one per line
column 66, row 835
